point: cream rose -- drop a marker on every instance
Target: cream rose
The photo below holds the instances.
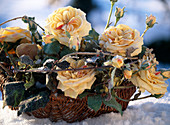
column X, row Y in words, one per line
column 12, row 34
column 148, row 79
column 116, row 61
column 74, row 83
column 68, row 19
column 118, row 39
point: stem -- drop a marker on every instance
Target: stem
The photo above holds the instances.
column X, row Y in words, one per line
column 55, row 71
column 10, row 58
column 145, row 31
column 117, row 20
column 111, row 9
column 123, row 87
column 141, row 98
column 35, row 23
column 91, row 53
column 10, row 20
column 23, row 17
column 6, row 70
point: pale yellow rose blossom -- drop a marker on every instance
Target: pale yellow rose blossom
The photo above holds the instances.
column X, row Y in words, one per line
column 118, row 39
column 73, row 83
column 71, row 20
column 127, row 73
column 12, row 34
column 150, row 79
column 117, row 61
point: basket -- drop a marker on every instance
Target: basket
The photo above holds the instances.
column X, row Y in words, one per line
column 72, row 110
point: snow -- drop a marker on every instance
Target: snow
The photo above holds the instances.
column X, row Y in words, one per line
column 149, row 111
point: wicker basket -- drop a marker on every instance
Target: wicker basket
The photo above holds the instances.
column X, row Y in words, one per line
column 72, row 110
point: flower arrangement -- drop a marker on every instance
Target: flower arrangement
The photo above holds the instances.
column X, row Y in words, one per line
column 71, row 59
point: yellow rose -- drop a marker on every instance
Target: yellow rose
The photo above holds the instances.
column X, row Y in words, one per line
column 119, row 12
column 12, row 34
column 117, row 61
column 118, row 39
column 71, row 20
column 127, row 73
column 74, row 83
column 148, row 79
column 150, row 21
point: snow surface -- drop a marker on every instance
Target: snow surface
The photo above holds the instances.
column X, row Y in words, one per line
column 149, row 111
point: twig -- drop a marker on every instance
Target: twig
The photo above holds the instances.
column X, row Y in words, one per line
column 23, row 17
column 1, row 49
column 141, row 98
column 55, row 71
column 26, row 18
column 6, row 70
column 10, row 20
column 91, row 53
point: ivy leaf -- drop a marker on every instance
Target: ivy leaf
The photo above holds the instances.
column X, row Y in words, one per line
column 52, row 48
column 113, row 103
column 66, row 50
column 84, row 94
column 26, row 60
column 34, row 102
column 92, row 35
column 68, row 34
column 63, row 64
column 158, row 96
column 94, row 102
column 49, row 83
column 143, row 52
column 13, row 93
column 30, row 83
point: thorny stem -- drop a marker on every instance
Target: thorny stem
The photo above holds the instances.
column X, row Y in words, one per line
column 110, row 14
column 6, row 70
column 55, row 71
column 91, row 53
column 145, row 31
column 10, row 20
column 141, row 98
column 23, row 17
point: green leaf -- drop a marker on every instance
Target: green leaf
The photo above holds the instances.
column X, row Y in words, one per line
column 84, row 94
column 68, row 34
column 143, row 52
column 30, row 83
column 13, row 93
column 52, row 48
column 94, row 34
column 34, row 102
column 66, row 50
column 94, row 102
column 49, row 82
column 158, row 96
column 113, row 103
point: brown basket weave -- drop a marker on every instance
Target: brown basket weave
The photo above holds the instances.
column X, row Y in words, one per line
column 72, row 110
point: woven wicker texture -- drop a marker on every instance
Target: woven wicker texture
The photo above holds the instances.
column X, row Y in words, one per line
column 72, row 110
